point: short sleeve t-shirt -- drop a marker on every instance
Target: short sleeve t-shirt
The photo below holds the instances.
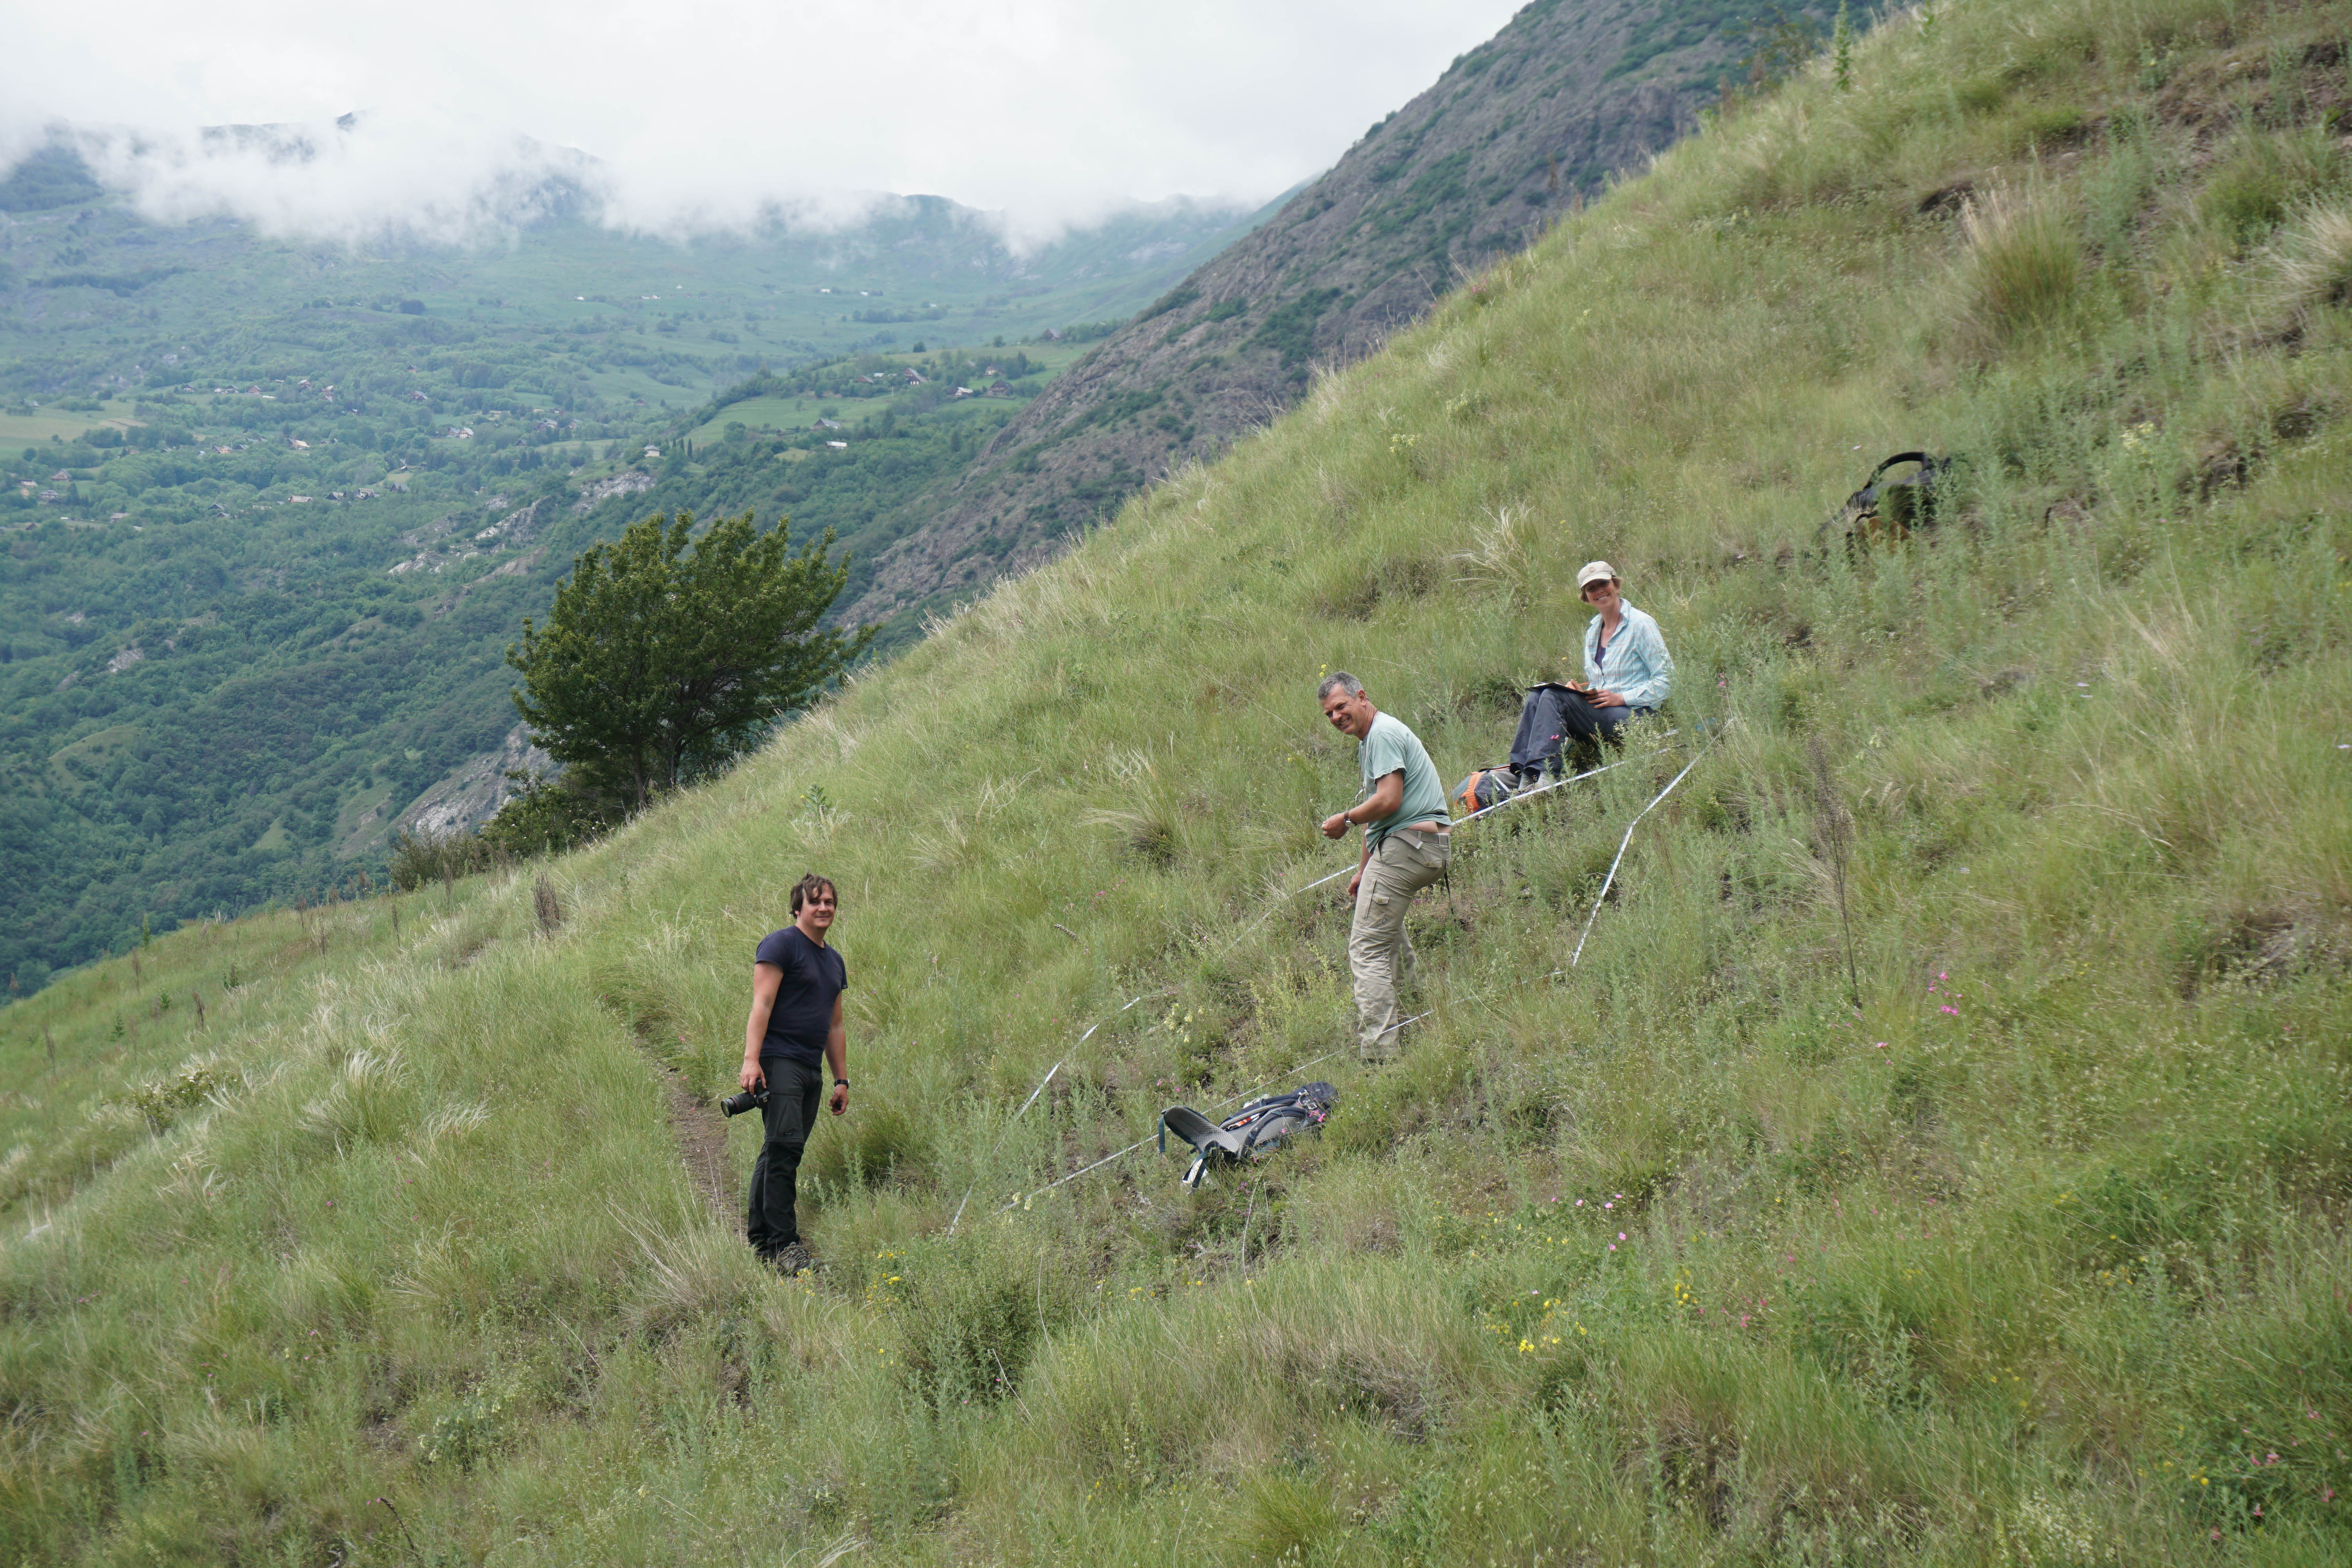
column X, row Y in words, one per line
column 1389, row 747
column 814, row 976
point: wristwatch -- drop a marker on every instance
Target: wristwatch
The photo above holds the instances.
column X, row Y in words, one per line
column 841, row 1083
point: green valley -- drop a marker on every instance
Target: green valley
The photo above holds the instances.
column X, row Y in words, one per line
column 273, row 510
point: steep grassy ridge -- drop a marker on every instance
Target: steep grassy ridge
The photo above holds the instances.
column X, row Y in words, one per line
column 2034, row 1255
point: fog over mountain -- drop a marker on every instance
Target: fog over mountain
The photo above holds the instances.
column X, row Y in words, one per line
column 702, row 116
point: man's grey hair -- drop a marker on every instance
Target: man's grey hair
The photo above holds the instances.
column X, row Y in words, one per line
column 1339, row 680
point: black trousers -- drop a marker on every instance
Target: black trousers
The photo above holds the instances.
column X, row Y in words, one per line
column 1554, row 718
column 794, row 1091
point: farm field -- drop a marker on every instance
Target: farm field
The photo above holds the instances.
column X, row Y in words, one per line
column 784, row 415
column 32, row 425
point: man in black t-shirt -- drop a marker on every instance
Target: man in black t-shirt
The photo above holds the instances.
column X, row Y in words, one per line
column 793, row 1034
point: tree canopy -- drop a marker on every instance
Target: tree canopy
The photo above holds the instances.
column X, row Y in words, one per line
column 665, row 655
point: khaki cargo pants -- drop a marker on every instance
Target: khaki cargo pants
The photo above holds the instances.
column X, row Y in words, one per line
column 1379, row 952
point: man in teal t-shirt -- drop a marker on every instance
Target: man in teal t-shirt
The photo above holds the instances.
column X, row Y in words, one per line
column 1408, row 842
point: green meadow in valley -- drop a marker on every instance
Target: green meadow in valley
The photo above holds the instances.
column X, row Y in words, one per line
column 400, row 1231
column 274, row 509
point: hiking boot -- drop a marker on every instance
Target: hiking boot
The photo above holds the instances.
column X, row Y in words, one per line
column 795, row 1259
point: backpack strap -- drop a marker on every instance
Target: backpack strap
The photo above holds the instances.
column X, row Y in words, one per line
column 1922, row 459
column 1271, row 1122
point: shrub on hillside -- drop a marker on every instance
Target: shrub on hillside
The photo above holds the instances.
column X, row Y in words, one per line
column 548, row 815
column 419, row 860
column 876, row 1142
column 2023, row 266
column 161, row 1100
column 2255, row 192
column 2312, row 265
column 980, row 1307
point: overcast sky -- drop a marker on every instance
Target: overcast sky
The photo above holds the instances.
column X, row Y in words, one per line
column 702, row 110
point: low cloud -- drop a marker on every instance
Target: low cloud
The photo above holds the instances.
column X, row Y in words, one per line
column 352, row 179
column 700, row 116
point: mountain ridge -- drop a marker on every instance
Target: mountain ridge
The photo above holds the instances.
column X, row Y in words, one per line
column 1515, row 132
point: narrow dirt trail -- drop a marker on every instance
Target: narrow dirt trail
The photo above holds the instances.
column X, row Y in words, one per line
column 702, row 1129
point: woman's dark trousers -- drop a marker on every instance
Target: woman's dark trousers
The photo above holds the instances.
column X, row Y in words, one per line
column 794, row 1091
column 1553, row 718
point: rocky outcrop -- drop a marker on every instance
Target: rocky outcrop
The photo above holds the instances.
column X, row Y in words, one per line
column 471, row 793
column 627, row 482
column 513, row 531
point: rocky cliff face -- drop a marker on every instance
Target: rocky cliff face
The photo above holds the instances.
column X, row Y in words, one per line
column 472, row 793
column 1513, row 133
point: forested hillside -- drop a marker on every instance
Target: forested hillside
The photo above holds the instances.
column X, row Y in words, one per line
column 273, row 510
column 1896, row 1114
column 1518, row 132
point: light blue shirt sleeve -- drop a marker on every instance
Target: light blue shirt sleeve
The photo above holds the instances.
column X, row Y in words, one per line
column 1640, row 668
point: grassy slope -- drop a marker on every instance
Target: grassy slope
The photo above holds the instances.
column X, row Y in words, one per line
column 2036, row 1258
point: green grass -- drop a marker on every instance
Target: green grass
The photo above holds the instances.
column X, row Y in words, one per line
column 2037, row 1255
column 793, row 413
column 64, row 424
column 764, row 414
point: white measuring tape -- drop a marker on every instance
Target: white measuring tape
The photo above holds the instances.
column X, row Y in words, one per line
column 1573, row 959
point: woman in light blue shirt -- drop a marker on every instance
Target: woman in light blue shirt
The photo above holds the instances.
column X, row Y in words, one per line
column 1627, row 672
column 1625, row 659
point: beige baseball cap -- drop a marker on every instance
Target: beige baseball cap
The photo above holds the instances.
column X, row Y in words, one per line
column 1594, row 572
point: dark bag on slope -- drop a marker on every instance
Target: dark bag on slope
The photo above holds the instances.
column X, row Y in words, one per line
column 1888, row 512
column 1250, row 1132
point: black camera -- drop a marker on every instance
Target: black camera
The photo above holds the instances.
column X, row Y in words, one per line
column 749, row 1100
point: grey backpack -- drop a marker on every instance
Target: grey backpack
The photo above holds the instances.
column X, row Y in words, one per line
column 1256, row 1127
